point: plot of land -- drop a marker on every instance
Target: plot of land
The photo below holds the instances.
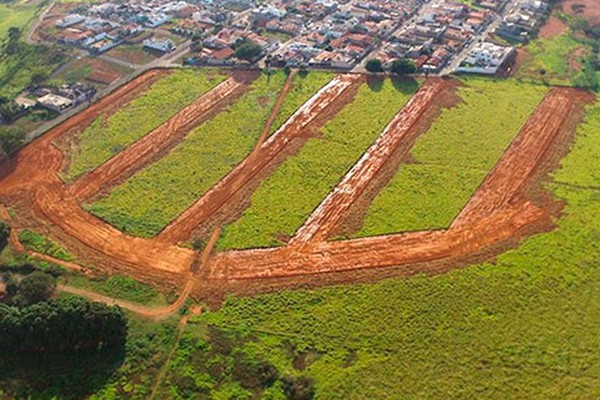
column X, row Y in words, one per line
column 285, row 199
column 453, row 157
column 144, row 205
column 109, row 135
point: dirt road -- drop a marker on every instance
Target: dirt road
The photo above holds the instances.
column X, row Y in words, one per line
column 500, row 211
column 298, row 124
column 399, row 131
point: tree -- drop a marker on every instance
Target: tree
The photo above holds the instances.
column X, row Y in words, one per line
column 4, row 234
column 403, row 66
column 300, row 388
column 374, row 65
column 34, row 288
column 248, row 51
column 62, row 326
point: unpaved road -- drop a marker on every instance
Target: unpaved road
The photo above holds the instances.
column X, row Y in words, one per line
column 500, row 211
column 297, row 125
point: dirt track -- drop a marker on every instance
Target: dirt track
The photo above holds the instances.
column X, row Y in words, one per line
column 498, row 212
column 161, row 140
column 35, row 179
column 399, row 131
column 182, row 227
column 503, row 209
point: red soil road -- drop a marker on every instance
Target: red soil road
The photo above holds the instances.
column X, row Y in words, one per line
column 34, row 177
column 334, row 208
column 498, row 212
column 127, row 162
column 182, row 227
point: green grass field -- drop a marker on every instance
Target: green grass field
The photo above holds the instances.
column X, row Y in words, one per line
column 525, row 326
column 453, row 157
column 17, row 16
column 107, row 136
column 146, row 203
column 303, row 87
column 551, row 55
column 284, row 200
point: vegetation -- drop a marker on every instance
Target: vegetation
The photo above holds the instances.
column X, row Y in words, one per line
column 208, row 362
column 108, row 135
column 304, row 86
column 453, row 157
column 61, row 326
column 41, row 244
column 119, row 287
column 374, row 65
column 403, row 67
column 34, row 288
column 4, row 234
column 553, row 59
column 126, row 373
column 284, row 200
column 146, row 203
column 523, row 326
column 248, row 51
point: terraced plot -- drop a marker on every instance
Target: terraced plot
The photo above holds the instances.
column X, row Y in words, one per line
column 144, row 204
column 284, row 201
column 109, row 135
column 453, row 157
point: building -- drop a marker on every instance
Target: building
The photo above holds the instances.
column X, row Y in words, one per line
column 162, row 45
column 487, row 58
column 55, row 102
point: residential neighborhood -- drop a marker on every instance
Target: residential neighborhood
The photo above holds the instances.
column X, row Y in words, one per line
column 336, row 34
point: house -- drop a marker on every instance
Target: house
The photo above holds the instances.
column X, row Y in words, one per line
column 70, row 20
column 487, row 58
column 162, row 45
column 55, row 102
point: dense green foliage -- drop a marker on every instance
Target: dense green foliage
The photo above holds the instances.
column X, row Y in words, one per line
column 35, row 287
column 108, row 135
column 248, row 51
column 284, row 200
column 453, row 157
column 303, row 87
column 524, row 326
column 374, row 65
column 62, row 325
column 403, row 66
column 144, row 204
column 41, row 244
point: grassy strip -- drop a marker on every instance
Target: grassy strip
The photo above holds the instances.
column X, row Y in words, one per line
column 119, row 287
column 108, row 136
column 303, row 87
column 284, row 201
column 453, row 157
column 146, row 203
column 524, row 326
column 41, row 244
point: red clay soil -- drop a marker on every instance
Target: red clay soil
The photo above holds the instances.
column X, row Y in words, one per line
column 182, row 227
column 499, row 212
column 276, row 108
column 553, row 27
column 34, row 177
column 399, row 132
column 127, row 162
column 588, row 9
